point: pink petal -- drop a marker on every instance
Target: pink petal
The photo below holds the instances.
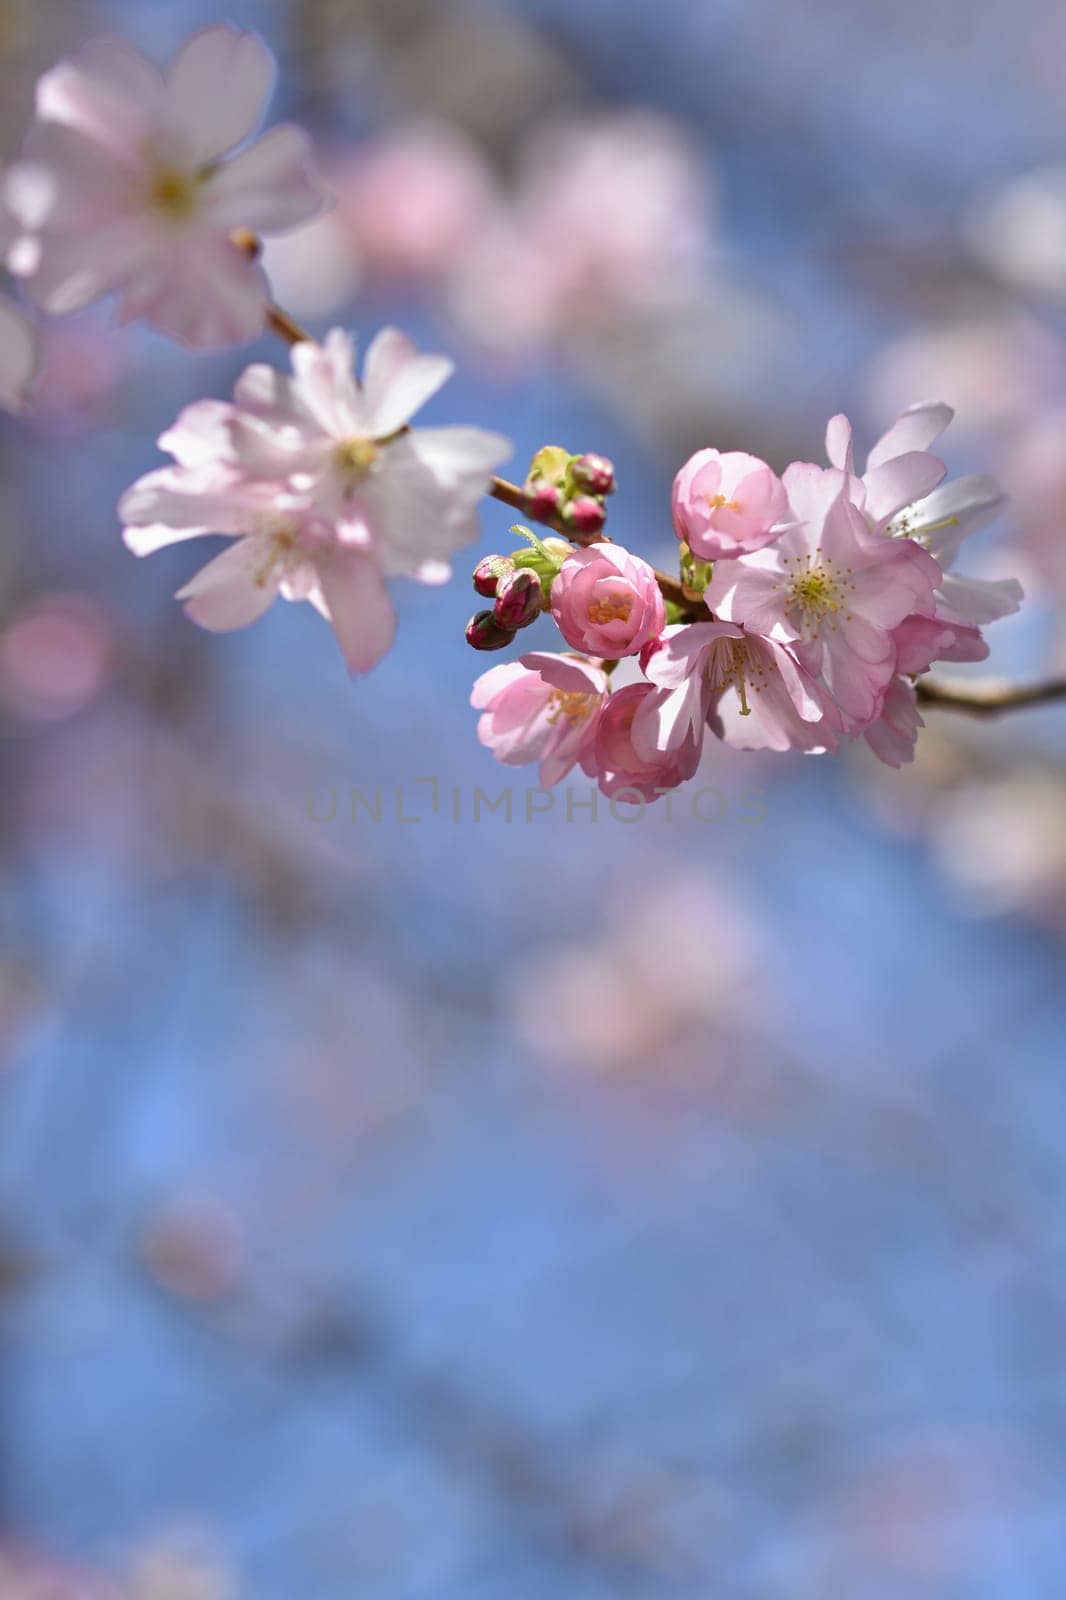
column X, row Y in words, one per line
column 217, row 90
column 109, row 92
column 206, row 294
column 234, row 589
column 360, row 609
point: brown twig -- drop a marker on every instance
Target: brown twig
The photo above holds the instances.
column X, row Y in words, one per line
column 989, row 699
column 976, row 700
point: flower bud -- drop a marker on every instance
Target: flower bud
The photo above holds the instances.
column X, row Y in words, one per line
column 594, row 474
column 549, row 465
column 483, row 632
column 585, row 514
column 543, row 499
column 488, row 573
column 518, row 599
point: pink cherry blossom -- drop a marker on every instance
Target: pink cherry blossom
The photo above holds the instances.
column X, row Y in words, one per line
column 751, row 691
column 325, row 488
column 624, row 771
column 542, row 708
column 607, row 602
column 832, row 589
column 900, row 472
column 132, row 182
column 727, row 505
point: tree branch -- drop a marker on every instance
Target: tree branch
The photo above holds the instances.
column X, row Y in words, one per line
column 989, row 699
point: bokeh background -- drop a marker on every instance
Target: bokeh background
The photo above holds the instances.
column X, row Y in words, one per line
column 588, row 1208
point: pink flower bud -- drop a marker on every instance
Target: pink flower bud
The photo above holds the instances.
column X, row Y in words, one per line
column 726, row 506
column 483, row 632
column 488, row 572
column 544, row 499
column 607, row 602
column 518, row 599
column 593, row 473
column 585, row 514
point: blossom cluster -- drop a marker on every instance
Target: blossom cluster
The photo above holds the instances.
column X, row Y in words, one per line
column 812, row 603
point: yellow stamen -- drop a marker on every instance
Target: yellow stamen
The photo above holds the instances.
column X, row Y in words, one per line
column 355, row 457
column 571, row 704
column 614, row 609
column 718, row 502
column 174, row 193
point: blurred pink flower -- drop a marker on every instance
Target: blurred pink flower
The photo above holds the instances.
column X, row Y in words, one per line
column 82, row 366
column 326, row 488
column 54, row 657
column 131, row 182
column 541, row 708
column 19, row 356
column 727, row 505
column 607, row 602
column 611, row 217
column 410, row 200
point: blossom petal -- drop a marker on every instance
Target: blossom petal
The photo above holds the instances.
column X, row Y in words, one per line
column 913, row 430
column 218, row 88
column 397, row 381
column 975, row 601
column 205, row 294
column 838, row 443
column 900, row 482
column 271, row 187
column 234, row 589
column 955, row 511
column 360, row 608
column 108, row 91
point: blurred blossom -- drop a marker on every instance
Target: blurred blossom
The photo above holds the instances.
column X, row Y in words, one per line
column 1003, row 841
column 30, row 1577
column 316, row 271
column 672, row 971
column 82, row 365
column 611, row 217
column 194, row 1249
column 1034, row 472
column 173, row 1570
column 991, row 367
column 411, row 200
column 1020, row 232
column 54, row 657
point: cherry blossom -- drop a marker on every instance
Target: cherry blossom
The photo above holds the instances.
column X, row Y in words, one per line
column 727, row 505
column 542, row 708
column 323, row 485
column 607, row 602
column 132, row 181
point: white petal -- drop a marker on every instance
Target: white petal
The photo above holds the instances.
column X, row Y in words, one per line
column 461, row 454
column 914, row 430
column 397, row 381
column 234, row 589
column 838, row 446
column 206, row 295
column 270, row 187
column 900, row 482
column 976, row 601
column 966, row 505
column 109, row 91
column 218, row 88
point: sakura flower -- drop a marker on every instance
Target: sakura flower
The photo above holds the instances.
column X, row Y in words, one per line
column 902, row 494
column 324, row 488
column 621, row 769
column 727, row 505
column 607, row 602
column 542, row 708
column 411, row 493
column 132, row 182
column 751, row 691
column 832, row 588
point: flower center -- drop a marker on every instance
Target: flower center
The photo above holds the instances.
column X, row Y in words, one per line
column 355, row 457
column 615, row 608
column 280, row 551
column 818, row 590
column 570, row 705
column 718, row 502
column 174, row 193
